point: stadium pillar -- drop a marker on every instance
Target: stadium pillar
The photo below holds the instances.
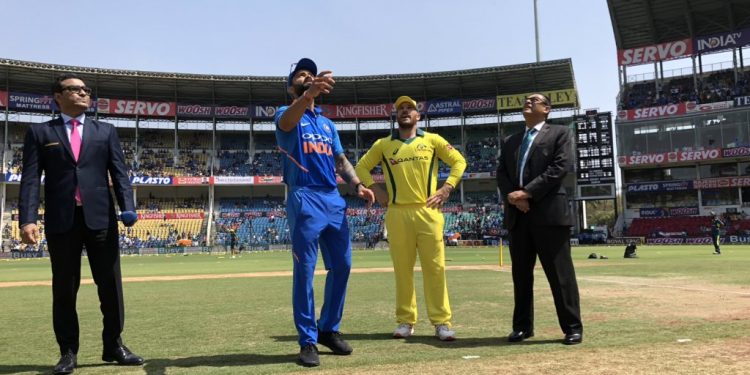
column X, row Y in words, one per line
column 136, row 157
column 356, row 140
column 734, row 64
column 2, row 200
column 695, row 75
column 210, row 218
column 742, row 63
column 536, row 32
column 176, row 152
column 584, row 224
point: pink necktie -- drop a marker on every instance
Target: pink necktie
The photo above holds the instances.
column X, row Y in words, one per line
column 75, row 144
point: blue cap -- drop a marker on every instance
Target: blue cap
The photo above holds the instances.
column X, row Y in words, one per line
column 303, row 64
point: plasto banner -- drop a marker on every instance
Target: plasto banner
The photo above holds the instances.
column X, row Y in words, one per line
column 147, row 180
column 658, row 52
column 16, row 177
column 558, row 97
column 136, row 107
column 660, row 186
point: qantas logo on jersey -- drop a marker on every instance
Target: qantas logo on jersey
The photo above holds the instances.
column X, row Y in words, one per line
column 410, row 159
column 317, row 143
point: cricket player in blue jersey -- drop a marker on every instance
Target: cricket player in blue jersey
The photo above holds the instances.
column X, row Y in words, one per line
column 315, row 210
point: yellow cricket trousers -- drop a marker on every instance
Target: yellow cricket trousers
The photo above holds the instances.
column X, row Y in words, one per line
column 412, row 229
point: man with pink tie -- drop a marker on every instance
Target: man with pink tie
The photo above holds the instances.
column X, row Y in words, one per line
column 78, row 155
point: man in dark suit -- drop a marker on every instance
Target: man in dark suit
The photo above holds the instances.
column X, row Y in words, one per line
column 530, row 173
column 78, row 154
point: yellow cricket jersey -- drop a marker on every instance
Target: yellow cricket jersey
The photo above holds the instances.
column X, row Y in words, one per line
column 411, row 166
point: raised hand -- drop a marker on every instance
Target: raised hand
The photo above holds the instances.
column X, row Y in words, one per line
column 322, row 84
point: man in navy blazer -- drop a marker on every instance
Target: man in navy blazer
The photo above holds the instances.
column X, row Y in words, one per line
column 530, row 175
column 78, row 156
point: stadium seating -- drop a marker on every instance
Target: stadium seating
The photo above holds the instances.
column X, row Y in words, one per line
column 712, row 87
column 690, row 226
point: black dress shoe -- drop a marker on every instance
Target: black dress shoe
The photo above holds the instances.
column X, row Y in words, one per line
column 333, row 341
column 123, row 356
column 518, row 336
column 66, row 364
column 308, row 356
column 573, row 338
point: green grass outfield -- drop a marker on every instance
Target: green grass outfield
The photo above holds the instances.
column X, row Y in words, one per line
column 676, row 309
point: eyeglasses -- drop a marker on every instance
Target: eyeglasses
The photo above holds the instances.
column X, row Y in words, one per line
column 536, row 99
column 78, row 89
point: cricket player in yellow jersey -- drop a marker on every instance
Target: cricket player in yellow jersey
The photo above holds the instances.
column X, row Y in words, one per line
column 409, row 159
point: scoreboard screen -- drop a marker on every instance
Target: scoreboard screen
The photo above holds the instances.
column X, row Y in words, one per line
column 594, row 151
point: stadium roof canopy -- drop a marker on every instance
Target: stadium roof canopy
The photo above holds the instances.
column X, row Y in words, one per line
column 638, row 23
column 31, row 77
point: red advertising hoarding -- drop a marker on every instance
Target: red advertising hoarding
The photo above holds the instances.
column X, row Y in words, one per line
column 3, row 99
column 170, row 215
column 350, row 111
column 693, row 107
column 136, row 107
column 186, row 180
column 670, row 157
column 658, row 52
column 268, row 180
column 722, row 182
column 652, row 112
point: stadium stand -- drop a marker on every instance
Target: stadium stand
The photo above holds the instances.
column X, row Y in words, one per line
column 712, row 87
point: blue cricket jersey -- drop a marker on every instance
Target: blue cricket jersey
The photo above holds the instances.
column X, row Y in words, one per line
column 310, row 150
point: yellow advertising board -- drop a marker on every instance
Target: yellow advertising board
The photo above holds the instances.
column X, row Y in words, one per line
column 558, row 97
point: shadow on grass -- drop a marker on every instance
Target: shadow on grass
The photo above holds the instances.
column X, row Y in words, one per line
column 42, row 369
column 459, row 343
column 160, row 365
column 36, row 369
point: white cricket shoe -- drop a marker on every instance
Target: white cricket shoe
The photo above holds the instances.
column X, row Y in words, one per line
column 403, row 330
column 444, row 333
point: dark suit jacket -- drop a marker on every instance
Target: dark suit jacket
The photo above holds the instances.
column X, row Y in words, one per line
column 47, row 148
column 550, row 158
